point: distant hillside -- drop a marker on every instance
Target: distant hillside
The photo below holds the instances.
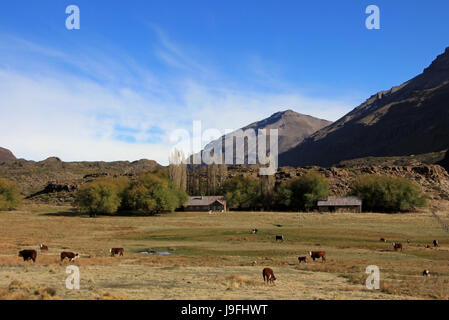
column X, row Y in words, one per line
column 293, row 128
column 412, row 118
column 6, row 155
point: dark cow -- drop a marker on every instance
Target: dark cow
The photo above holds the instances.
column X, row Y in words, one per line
column 268, row 275
column 28, row 255
column 69, row 255
column 115, row 251
column 254, row 231
column 280, row 238
column 43, row 247
column 426, row 273
column 318, row 254
column 435, row 243
column 302, row 259
column 397, row 246
column 383, row 240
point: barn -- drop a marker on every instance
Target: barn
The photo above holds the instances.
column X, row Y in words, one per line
column 206, row 203
column 340, row 204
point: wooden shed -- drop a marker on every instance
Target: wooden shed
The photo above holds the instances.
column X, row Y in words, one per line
column 340, row 204
column 206, row 203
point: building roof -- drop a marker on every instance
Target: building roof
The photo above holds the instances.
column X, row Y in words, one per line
column 340, row 201
column 205, row 200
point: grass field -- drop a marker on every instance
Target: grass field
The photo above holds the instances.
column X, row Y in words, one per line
column 217, row 257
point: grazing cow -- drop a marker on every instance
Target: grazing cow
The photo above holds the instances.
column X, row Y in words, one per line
column 280, row 238
column 426, row 273
column 114, row 251
column 435, row 243
column 383, row 240
column 302, row 259
column 69, row 255
column 268, row 275
column 43, row 247
column 428, row 247
column 28, row 255
column 318, row 254
column 397, row 246
column 254, row 231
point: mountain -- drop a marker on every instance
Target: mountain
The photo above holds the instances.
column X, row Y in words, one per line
column 6, row 155
column 293, row 128
column 409, row 119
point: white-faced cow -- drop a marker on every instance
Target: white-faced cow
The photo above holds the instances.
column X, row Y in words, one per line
column 268, row 275
column 435, row 243
column 43, row 247
column 397, row 246
column 280, row 238
column 254, row 231
column 69, row 255
column 114, row 251
column 28, row 255
column 426, row 273
column 318, row 254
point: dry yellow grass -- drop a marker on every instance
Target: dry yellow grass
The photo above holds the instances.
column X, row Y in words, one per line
column 216, row 257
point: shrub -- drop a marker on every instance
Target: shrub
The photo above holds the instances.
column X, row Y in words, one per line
column 101, row 196
column 154, row 193
column 302, row 193
column 9, row 195
column 242, row 192
column 388, row 194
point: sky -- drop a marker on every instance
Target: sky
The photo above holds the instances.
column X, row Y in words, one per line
column 137, row 71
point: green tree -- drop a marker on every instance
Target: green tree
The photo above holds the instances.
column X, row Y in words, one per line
column 302, row 193
column 388, row 194
column 102, row 196
column 9, row 195
column 242, row 192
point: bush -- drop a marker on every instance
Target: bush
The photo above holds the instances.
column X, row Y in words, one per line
column 154, row 193
column 388, row 194
column 302, row 193
column 9, row 195
column 103, row 196
column 242, row 192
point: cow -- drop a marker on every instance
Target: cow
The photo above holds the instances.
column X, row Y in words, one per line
column 268, row 275
column 397, row 246
column 280, row 238
column 428, row 247
column 43, row 247
column 28, row 255
column 426, row 273
column 435, row 243
column 302, row 259
column 114, row 251
column 383, row 240
column 254, row 231
column 318, row 254
column 69, row 255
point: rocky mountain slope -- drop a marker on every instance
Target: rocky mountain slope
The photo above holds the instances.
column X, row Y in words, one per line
column 409, row 119
column 6, row 155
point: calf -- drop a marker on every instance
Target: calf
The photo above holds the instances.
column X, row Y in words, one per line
column 302, row 259
column 318, row 254
column 69, row 255
column 28, row 255
column 397, row 246
column 115, row 251
column 268, row 275
column 43, row 247
column 435, row 243
column 280, row 238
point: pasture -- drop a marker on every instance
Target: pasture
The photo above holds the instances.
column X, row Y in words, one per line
column 217, row 257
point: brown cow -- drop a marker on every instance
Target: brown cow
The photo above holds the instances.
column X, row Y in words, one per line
column 115, row 251
column 397, row 246
column 69, row 255
column 28, row 255
column 43, row 247
column 435, row 243
column 318, row 254
column 302, row 259
column 268, row 275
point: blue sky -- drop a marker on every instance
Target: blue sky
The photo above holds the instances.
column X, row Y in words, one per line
column 137, row 70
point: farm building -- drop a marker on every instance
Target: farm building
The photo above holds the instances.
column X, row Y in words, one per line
column 340, row 204
column 206, row 203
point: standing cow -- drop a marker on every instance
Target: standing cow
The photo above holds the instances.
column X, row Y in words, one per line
column 69, row 255
column 318, row 254
column 435, row 243
column 397, row 246
column 114, row 251
column 28, row 255
column 268, row 275
column 304, row 259
column 43, row 247
column 280, row 238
